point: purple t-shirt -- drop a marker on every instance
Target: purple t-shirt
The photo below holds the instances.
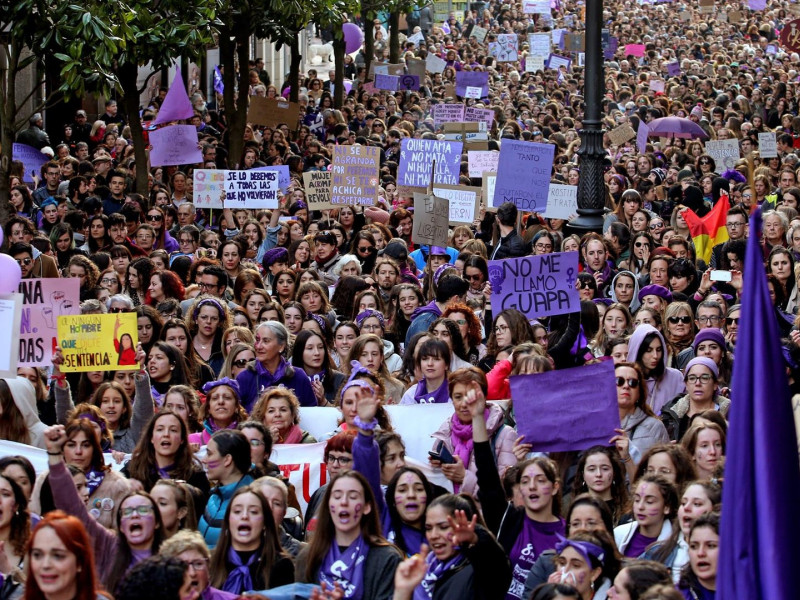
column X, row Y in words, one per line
column 638, row 544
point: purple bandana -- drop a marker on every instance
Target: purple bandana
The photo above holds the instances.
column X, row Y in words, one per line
column 439, row 396
column 93, row 479
column 535, row 538
column 436, row 568
column 267, row 379
column 346, row 568
column 239, row 579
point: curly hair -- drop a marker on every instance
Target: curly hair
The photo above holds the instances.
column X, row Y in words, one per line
column 91, row 269
column 259, row 412
column 473, row 323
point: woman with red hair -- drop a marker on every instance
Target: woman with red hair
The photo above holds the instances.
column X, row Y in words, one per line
column 61, row 561
column 163, row 286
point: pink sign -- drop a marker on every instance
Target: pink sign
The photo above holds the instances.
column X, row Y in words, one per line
column 634, row 50
column 43, row 301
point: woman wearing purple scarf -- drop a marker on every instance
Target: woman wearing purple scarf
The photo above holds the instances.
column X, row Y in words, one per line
column 348, row 548
column 465, row 560
column 433, row 361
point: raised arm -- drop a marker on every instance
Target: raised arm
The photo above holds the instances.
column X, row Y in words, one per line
column 61, row 390
column 366, row 455
column 143, row 406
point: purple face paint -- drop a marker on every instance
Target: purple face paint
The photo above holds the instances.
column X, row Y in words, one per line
column 213, row 464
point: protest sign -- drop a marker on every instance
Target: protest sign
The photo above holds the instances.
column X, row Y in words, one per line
column 706, row 7
column 656, row 86
column 620, row 135
column 10, row 316
column 98, row 342
column 534, row 63
column 735, row 16
column 636, row 50
column 43, row 301
column 175, row 145
column 537, row 286
column 505, row 49
column 417, row 158
column 416, row 66
column 354, row 177
column 539, row 44
column 479, row 33
column 724, row 152
column 575, row 42
column 568, row 409
column 482, row 161
column 463, row 202
column 273, row 111
column 431, row 220
column 209, row 185
column 641, row 137
column 555, row 62
column 767, row 144
column 398, row 69
column 674, row 69
column 317, row 185
column 408, row 82
column 558, row 37
column 417, row 38
column 434, row 64
column 31, row 159
column 466, row 79
column 487, row 191
column 386, row 82
column 479, row 115
column 284, row 179
column 562, row 201
column 447, row 113
column 523, row 174
column 251, row 189
column 534, row 7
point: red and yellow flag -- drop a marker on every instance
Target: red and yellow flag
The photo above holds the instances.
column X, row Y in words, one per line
column 710, row 230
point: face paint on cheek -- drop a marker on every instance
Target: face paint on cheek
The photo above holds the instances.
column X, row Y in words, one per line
column 213, row 464
column 358, row 509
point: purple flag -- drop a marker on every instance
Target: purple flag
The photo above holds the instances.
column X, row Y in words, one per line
column 219, row 86
column 176, row 105
column 641, row 137
column 757, row 4
column 759, row 550
column 552, row 421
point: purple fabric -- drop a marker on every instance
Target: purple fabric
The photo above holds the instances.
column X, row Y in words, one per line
column 759, row 550
column 346, row 568
column 440, row 396
column 211, row 593
column 431, row 307
column 436, row 568
column 535, row 538
column 239, row 579
column 638, row 544
column 138, row 556
column 94, row 479
column 461, row 438
column 165, row 472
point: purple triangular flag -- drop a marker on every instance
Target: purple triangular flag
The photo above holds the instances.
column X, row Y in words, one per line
column 176, row 105
column 641, row 137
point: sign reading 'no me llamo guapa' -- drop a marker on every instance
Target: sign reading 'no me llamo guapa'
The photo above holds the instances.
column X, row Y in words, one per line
column 537, row 286
column 523, row 175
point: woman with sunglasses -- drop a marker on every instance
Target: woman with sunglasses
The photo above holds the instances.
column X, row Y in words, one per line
column 642, row 244
column 363, row 247
column 165, row 241
column 648, row 349
column 680, row 330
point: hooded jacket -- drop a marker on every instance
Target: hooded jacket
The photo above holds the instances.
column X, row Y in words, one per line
column 670, row 384
column 673, row 414
column 634, row 305
column 25, row 400
column 393, row 361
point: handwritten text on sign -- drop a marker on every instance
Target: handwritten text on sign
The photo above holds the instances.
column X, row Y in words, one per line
column 523, row 174
column 209, row 184
column 537, row 286
column 463, row 202
column 418, row 156
column 431, row 219
column 98, row 342
column 562, row 201
column 355, row 175
column 318, row 189
column 251, row 189
column 44, row 300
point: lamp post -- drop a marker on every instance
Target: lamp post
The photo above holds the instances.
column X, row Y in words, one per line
column 591, row 189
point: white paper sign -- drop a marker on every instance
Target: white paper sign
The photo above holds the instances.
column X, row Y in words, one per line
column 536, row 7
column 724, row 152
column 489, row 182
column 209, row 185
column 473, row 92
column 767, row 144
column 482, row 160
column 416, row 38
column 539, row 44
column 534, row 63
column 462, row 203
column 252, row 189
column 10, row 316
column 562, row 201
column 434, row 64
column 656, row 85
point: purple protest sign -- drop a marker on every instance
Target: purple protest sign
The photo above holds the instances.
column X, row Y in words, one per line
column 355, row 175
column 283, row 175
column 757, row 4
column 417, row 158
column 175, row 145
column 674, row 69
column 641, row 137
column 465, row 79
column 447, row 113
column 611, row 49
column 523, row 175
column 409, row 82
column 537, row 286
column 32, row 160
column 176, row 105
column 43, row 301
column 568, row 409
column 386, row 82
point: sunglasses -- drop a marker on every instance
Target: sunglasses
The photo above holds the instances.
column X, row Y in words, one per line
column 732, row 320
column 24, row 261
column 154, row 217
column 632, row 383
column 676, row 320
column 656, row 225
column 640, row 245
column 241, row 363
column 473, row 277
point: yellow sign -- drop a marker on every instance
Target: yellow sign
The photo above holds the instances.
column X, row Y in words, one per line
column 98, row 342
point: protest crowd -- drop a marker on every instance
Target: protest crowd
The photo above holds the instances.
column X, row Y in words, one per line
column 393, row 371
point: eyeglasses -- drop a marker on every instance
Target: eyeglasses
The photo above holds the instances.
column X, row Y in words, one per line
column 205, row 286
column 185, row 241
column 368, row 249
column 142, row 510
column 154, row 217
column 256, row 443
column 704, row 378
column 109, row 281
column 732, row 320
column 709, row 319
column 632, row 383
column 24, row 262
column 544, row 246
column 676, row 320
column 117, row 309
column 199, row 564
column 705, row 162
column 501, row 329
column 461, row 321
column 342, row 460
column 734, row 225
column 241, row 363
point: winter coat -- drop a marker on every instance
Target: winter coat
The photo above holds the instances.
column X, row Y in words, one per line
column 24, row 396
column 674, row 414
column 644, row 432
column 255, row 379
column 670, row 384
column 210, row 524
column 510, row 246
column 623, row 534
column 392, row 360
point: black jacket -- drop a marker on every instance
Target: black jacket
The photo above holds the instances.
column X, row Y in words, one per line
column 511, row 246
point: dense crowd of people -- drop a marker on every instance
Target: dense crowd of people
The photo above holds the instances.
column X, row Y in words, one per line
column 245, row 316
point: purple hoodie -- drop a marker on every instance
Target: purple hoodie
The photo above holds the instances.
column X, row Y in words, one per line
column 670, row 384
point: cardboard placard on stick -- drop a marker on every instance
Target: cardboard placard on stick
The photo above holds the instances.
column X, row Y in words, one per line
column 431, row 220
column 317, row 185
column 270, row 112
column 464, row 202
column 620, row 135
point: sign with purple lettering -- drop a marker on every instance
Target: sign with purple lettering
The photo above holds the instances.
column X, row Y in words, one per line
column 674, row 69
column 251, row 189
column 537, row 286
column 386, row 82
column 523, row 174
column 417, row 158
column 43, row 301
column 354, row 178
column 447, row 113
column 549, row 418
column 175, row 145
column 283, row 175
column 465, row 79
column 479, row 115
column 32, row 160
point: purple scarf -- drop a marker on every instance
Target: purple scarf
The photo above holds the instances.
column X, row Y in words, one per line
column 239, row 579
column 440, row 396
column 436, row 568
column 93, row 479
column 267, row 379
column 535, row 538
column 461, row 438
column 165, row 472
column 138, row 556
column 346, row 568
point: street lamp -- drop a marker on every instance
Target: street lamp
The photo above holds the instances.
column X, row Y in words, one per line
column 591, row 188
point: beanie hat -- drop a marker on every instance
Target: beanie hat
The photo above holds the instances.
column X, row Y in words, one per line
column 706, row 362
column 275, row 255
column 655, row 290
column 712, row 334
column 697, row 112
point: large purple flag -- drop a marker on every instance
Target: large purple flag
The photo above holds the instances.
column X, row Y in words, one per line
column 176, row 105
column 760, row 528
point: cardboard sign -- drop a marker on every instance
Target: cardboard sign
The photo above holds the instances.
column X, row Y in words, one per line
column 479, row 115
column 10, row 316
column 706, row 7
column 447, row 113
column 386, row 82
column 479, row 33
column 98, row 342
column 562, row 201
column 724, row 152
column 32, row 161
column 482, row 161
column 620, row 135
column 523, row 174
column 575, row 42
column 43, row 301
column 317, row 185
column 355, row 175
column 548, row 416
column 537, row 286
column 767, row 144
column 416, row 67
column 175, row 145
column 434, row 64
column 464, row 202
column 209, row 185
column 466, row 79
column 252, row 189
column 271, row 112
column 431, row 220
column 417, row 158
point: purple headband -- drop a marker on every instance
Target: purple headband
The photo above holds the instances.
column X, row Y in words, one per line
column 93, row 419
column 363, row 316
column 231, row 383
column 356, row 369
column 205, row 301
column 440, row 271
column 585, row 549
column 323, row 325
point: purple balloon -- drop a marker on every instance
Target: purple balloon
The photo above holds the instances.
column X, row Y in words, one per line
column 348, row 85
column 10, row 274
column 1, row 237
column 353, row 37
